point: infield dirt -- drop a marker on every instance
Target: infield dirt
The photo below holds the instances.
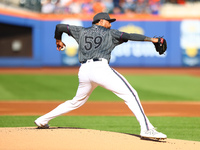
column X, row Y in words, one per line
column 83, row 139
column 178, row 109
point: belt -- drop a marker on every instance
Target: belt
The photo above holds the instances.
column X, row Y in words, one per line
column 94, row 59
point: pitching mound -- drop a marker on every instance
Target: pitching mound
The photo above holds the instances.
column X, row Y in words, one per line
column 82, row 139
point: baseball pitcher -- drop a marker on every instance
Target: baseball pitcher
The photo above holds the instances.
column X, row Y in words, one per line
column 95, row 46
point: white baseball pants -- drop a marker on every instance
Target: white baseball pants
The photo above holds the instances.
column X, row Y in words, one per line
column 99, row 73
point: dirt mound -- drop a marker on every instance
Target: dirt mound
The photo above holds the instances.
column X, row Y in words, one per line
column 82, row 139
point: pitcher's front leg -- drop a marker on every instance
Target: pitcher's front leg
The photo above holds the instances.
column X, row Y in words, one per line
column 83, row 93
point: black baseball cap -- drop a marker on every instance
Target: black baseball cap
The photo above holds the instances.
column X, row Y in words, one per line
column 102, row 15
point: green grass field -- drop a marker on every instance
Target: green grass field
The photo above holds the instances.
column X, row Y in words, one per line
column 61, row 87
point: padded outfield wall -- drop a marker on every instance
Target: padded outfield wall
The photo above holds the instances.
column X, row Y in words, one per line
column 34, row 44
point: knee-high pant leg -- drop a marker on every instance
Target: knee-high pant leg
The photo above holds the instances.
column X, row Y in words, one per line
column 116, row 83
column 85, row 88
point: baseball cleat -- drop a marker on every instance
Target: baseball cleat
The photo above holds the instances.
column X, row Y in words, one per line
column 154, row 139
column 41, row 126
column 153, row 134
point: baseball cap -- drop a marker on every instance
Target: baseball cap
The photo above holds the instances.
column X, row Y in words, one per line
column 102, row 15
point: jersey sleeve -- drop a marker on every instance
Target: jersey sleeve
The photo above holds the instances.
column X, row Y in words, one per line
column 133, row 36
column 120, row 37
column 117, row 36
column 73, row 31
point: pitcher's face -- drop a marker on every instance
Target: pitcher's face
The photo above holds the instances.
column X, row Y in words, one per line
column 105, row 23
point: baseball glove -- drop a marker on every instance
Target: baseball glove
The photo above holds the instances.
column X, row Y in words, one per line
column 161, row 46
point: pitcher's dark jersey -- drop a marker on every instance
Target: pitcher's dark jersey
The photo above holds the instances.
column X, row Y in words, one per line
column 95, row 41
